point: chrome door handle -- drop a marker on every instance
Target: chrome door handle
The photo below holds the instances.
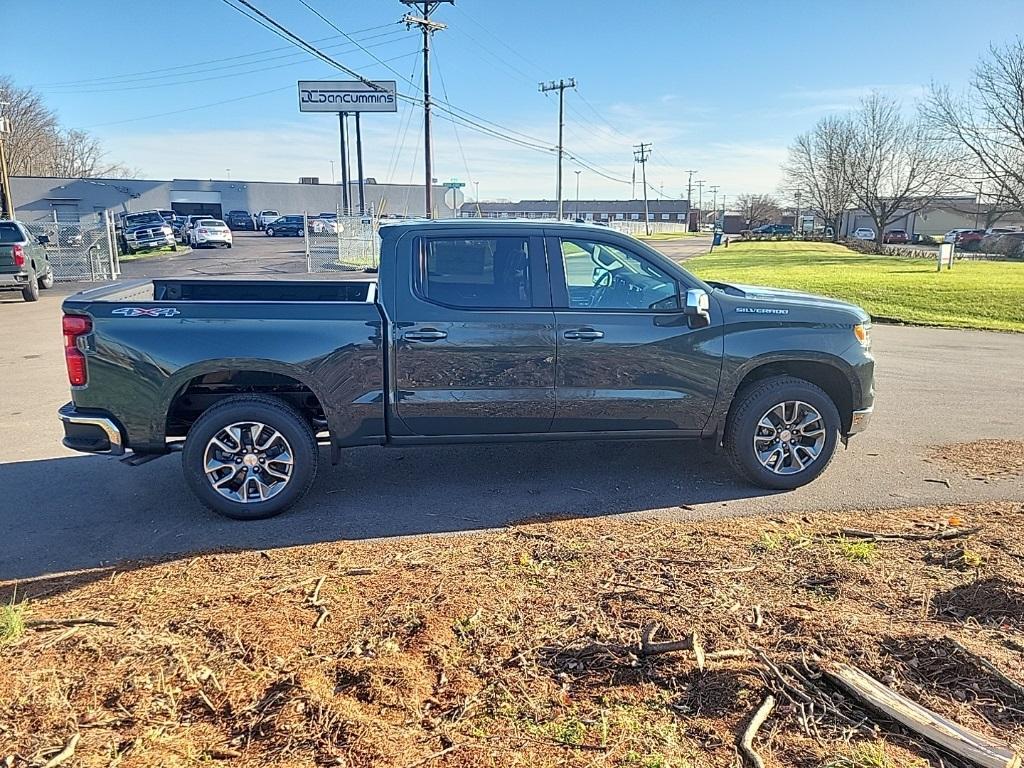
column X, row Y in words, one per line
column 584, row 334
column 425, row 335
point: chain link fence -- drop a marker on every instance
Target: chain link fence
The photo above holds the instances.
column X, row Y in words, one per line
column 343, row 243
column 79, row 251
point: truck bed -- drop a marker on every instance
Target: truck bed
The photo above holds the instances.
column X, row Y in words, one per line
column 269, row 290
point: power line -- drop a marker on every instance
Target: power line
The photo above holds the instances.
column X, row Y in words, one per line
column 219, row 77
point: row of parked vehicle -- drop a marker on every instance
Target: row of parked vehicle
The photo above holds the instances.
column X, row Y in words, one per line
column 273, row 224
column 1006, row 241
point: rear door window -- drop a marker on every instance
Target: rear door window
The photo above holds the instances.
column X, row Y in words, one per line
column 476, row 273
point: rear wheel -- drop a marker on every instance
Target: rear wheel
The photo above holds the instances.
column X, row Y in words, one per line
column 31, row 291
column 301, row 233
column 250, row 457
column 782, row 433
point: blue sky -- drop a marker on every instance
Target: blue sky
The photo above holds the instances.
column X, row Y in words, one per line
column 721, row 88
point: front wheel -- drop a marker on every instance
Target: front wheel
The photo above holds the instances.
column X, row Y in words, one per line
column 301, row 233
column 270, row 231
column 250, row 457
column 46, row 281
column 782, row 433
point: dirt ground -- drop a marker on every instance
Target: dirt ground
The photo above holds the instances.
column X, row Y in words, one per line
column 531, row 646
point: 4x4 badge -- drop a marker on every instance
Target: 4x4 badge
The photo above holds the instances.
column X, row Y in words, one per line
column 146, row 311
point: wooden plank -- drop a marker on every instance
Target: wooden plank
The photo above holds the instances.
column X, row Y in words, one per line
column 962, row 742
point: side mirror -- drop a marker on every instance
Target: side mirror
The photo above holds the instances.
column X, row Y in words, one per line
column 698, row 307
column 43, row 239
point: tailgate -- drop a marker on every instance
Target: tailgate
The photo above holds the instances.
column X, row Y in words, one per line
column 7, row 258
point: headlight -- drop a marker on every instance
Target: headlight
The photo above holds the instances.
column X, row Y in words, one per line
column 863, row 334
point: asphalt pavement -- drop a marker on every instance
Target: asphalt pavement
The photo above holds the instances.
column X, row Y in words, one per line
column 63, row 511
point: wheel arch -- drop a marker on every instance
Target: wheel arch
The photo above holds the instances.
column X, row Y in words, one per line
column 832, row 374
column 192, row 390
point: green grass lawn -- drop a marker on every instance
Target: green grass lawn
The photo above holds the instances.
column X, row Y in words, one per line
column 980, row 294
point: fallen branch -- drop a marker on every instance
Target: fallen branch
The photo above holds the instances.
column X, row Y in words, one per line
column 949, row 533
column 962, row 742
column 747, row 741
column 648, row 647
column 64, row 754
column 45, row 624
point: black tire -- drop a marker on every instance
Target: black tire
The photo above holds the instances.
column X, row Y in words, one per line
column 300, row 232
column 31, row 291
column 270, row 231
column 274, row 413
column 46, row 281
column 752, row 403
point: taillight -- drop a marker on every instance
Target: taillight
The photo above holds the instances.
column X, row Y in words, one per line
column 19, row 256
column 204, row 232
column 75, row 326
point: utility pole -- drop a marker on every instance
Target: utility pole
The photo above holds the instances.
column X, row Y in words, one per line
column 560, row 86
column 797, row 225
column 723, row 210
column 641, row 152
column 6, row 198
column 977, row 209
column 714, row 201
column 346, row 205
column 578, row 195
column 689, row 197
column 700, row 202
column 428, row 27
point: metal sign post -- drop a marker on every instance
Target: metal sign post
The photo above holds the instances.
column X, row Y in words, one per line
column 344, row 97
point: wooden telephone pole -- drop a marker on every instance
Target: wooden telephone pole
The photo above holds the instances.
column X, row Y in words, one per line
column 560, row 86
column 6, row 198
column 641, row 152
column 428, row 27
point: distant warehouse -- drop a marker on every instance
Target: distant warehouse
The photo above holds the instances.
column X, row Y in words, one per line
column 44, row 198
column 588, row 210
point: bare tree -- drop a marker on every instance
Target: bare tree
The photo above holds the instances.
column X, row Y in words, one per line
column 37, row 146
column 30, row 143
column 815, row 169
column 893, row 165
column 988, row 120
column 758, row 209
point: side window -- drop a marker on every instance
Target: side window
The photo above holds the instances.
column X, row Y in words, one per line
column 477, row 273
column 602, row 276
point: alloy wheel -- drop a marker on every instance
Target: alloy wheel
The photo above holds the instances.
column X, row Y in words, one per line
column 789, row 437
column 248, row 462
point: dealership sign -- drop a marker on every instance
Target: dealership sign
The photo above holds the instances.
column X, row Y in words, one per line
column 347, row 96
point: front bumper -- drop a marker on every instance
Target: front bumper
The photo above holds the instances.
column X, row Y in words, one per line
column 152, row 242
column 860, row 420
column 93, row 432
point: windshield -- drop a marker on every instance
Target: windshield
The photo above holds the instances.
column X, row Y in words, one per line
column 10, row 233
column 270, row 213
column 143, row 218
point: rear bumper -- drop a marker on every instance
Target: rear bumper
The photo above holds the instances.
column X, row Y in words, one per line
column 13, row 281
column 92, row 432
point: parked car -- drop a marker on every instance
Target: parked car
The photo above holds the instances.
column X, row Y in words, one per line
column 209, row 233
column 970, row 239
column 266, row 216
column 896, row 237
column 953, row 236
column 239, row 220
column 190, row 223
column 477, row 336
column 773, row 229
column 24, row 262
column 145, row 229
column 178, row 227
column 863, row 233
column 1004, row 244
column 286, row 225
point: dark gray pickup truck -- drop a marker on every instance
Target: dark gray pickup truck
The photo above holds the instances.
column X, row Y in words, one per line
column 473, row 332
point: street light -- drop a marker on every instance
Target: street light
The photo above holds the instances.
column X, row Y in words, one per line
column 577, row 194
